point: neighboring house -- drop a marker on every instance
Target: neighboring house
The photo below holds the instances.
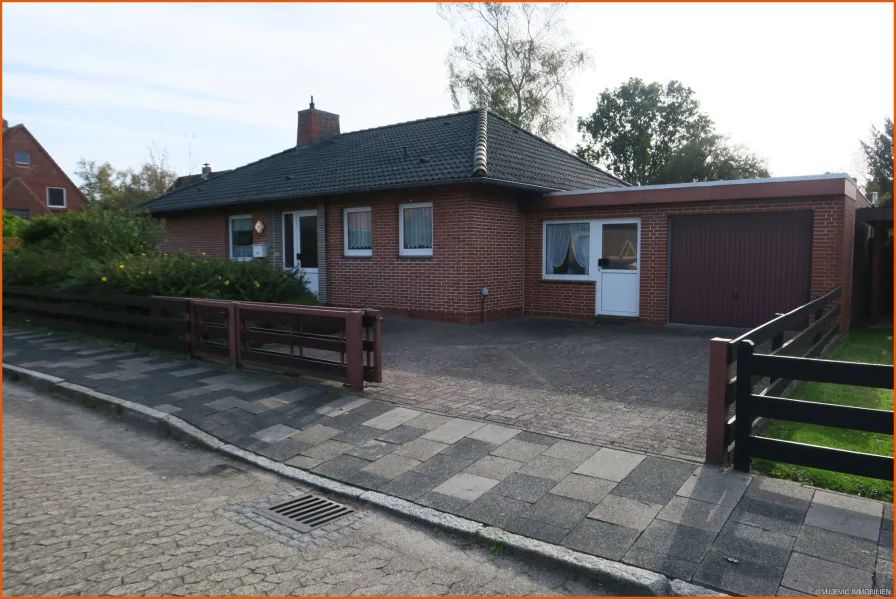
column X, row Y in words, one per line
column 190, row 179
column 33, row 184
column 421, row 218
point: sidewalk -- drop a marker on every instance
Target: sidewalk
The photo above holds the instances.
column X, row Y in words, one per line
column 739, row 534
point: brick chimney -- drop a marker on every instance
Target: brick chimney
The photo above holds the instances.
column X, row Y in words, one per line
column 316, row 125
column 5, row 124
column 206, row 171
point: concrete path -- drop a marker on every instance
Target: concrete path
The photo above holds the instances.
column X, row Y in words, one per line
column 739, row 534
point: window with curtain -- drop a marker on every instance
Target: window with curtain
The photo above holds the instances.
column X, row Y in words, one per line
column 567, row 248
column 241, row 238
column 358, row 232
column 415, row 229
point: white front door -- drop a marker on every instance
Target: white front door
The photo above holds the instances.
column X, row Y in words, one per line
column 300, row 244
column 616, row 247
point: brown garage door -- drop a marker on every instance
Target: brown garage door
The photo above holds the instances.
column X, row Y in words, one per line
column 738, row 269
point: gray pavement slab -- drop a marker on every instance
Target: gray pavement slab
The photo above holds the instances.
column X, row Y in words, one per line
column 327, row 450
column 390, row 466
column 278, row 432
column 453, row 431
column 316, row 434
column 846, row 514
column 562, row 512
column 599, row 538
column 493, row 467
column 535, row 529
column 836, row 547
column 664, row 563
column 428, row 421
column 545, row 467
column 372, row 450
column 623, row 511
column 583, row 488
column 494, row 433
column 713, row 485
column 392, row 418
column 570, row 451
column 411, row 485
column 667, row 538
column 467, row 487
column 743, row 577
column 812, row 575
column 523, row 487
column 654, row 480
column 420, row 449
column 610, row 464
column 495, row 510
column 699, row 514
column 401, row 434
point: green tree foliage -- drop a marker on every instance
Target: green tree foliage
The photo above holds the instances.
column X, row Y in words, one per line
column 514, row 58
column 114, row 189
column 652, row 133
column 13, row 225
column 877, row 153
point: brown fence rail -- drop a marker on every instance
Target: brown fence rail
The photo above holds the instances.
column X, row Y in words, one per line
column 342, row 344
column 157, row 322
column 811, row 326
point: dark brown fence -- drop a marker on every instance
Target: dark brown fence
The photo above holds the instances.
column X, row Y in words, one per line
column 156, row 322
column 777, row 366
column 811, row 328
column 342, row 344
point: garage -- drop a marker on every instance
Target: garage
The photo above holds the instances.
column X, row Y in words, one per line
column 738, row 269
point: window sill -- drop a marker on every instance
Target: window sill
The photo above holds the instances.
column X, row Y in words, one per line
column 350, row 257
column 567, row 279
column 400, row 257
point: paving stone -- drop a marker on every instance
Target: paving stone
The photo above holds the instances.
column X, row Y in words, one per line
column 341, row 406
column 883, row 575
column 496, row 510
column 849, row 515
column 536, row 529
column 713, row 485
column 610, row 464
column 316, row 434
column 465, row 486
column 785, row 592
column 275, row 433
column 372, row 450
column 601, row 539
column 390, row 466
column 887, row 523
column 357, row 435
column 810, row 575
column 453, row 431
column 443, row 465
column 530, row 437
column 562, row 512
column 428, row 421
column 754, row 544
column 521, row 451
column 401, row 434
column 670, row 565
column 493, row 467
column 366, row 480
column 570, row 451
column 411, row 485
column 304, row 462
column 362, row 414
column 654, row 480
column 445, row 503
column 494, row 434
column 392, row 418
column 327, row 450
column 471, row 449
column 272, row 402
column 226, row 403
column 545, row 467
column 772, row 512
column 753, row 578
column 420, row 449
column 525, row 488
column 885, row 544
column 283, row 450
column 667, row 538
column 699, row 514
column 256, row 407
column 189, row 372
column 584, row 488
column 340, row 467
column 836, row 547
column 623, row 511
column 167, row 408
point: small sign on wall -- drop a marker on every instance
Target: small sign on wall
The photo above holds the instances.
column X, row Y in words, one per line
column 259, row 227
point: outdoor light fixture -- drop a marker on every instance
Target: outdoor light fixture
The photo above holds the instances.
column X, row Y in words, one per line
column 485, row 292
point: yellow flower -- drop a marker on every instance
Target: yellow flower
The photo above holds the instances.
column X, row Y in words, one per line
column 256, row 284
column 142, row 253
column 192, row 264
column 219, row 278
column 121, row 266
column 149, row 272
column 227, row 282
column 103, row 279
column 203, row 253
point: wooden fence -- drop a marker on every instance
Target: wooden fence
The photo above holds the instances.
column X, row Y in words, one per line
column 807, row 339
column 342, row 344
column 777, row 366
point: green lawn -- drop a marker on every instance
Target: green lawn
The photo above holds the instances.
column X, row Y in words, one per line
column 860, row 346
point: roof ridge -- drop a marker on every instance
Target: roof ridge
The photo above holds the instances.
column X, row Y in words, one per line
column 429, row 118
column 556, row 147
column 480, row 148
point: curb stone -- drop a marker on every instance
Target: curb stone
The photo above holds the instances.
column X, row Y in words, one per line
column 617, row 575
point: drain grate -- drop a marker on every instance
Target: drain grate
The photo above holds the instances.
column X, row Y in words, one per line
column 306, row 513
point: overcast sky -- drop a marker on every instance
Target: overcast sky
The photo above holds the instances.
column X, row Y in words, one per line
column 221, row 83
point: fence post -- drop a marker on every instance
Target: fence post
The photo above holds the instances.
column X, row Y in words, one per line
column 716, row 410
column 354, row 350
column 233, row 336
column 192, row 339
column 743, row 424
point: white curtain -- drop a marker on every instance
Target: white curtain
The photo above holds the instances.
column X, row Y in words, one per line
column 581, row 243
column 241, row 237
column 418, row 228
column 556, row 246
column 360, row 230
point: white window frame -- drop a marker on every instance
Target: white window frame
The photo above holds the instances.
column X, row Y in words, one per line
column 419, row 251
column 230, row 236
column 544, row 252
column 346, row 250
column 64, row 200
column 28, row 154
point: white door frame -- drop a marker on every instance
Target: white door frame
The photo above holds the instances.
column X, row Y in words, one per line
column 597, row 252
column 297, row 239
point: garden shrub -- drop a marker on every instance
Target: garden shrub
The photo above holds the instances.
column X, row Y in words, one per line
column 13, row 225
column 95, row 233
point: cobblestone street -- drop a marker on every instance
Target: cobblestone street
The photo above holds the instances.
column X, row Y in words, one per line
column 93, row 507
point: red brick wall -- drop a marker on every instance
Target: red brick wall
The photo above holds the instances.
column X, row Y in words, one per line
column 43, row 172
column 209, row 231
column 830, row 267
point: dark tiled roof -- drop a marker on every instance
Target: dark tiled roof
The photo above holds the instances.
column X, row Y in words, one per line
column 191, row 179
column 439, row 150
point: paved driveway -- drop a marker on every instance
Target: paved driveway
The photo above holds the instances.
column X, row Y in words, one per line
column 632, row 386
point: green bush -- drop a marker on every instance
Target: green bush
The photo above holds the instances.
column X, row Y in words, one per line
column 13, row 225
column 41, row 230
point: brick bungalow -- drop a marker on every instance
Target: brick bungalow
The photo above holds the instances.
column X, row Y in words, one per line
column 468, row 217
column 33, row 184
